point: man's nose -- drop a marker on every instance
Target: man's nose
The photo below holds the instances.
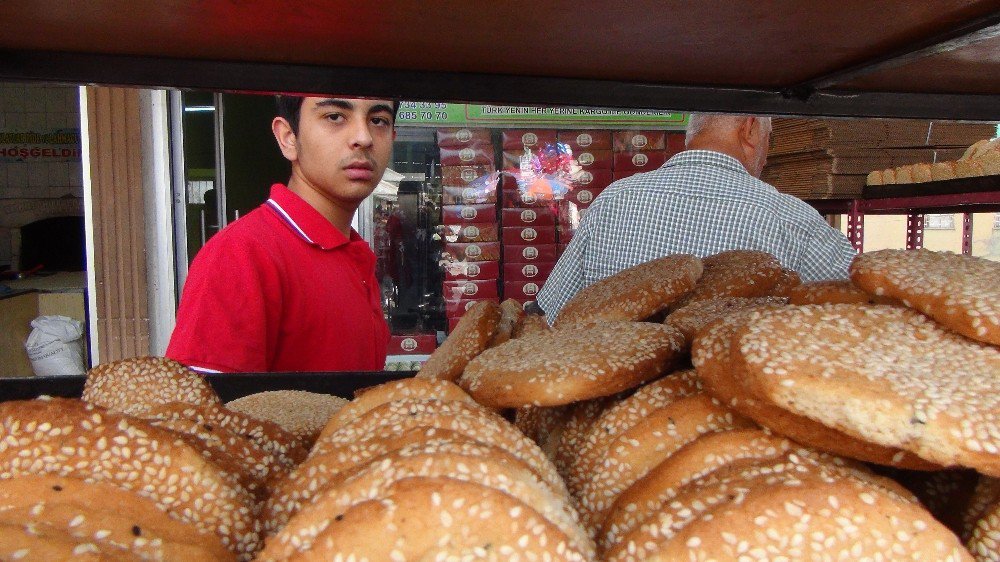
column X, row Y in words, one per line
column 361, row 136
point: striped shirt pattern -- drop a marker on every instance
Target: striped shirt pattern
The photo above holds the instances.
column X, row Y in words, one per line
column 700, row 202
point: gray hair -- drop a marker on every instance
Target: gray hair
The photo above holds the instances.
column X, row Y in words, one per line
column 699, row 122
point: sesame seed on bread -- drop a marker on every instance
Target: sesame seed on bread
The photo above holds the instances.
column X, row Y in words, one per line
column 133, row 386
column 470, row 337
column 883, row 374
column 961, row 292
column 716, row 358
column 302, row 414
column 132, row 455
column 572, row 364
column 635, row 293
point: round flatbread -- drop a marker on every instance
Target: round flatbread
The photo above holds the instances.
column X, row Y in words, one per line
column 735, row 273
column 470, row 337
column 715, row 355
column 133, row 386
column 887, row 375
column 572, row 364
column 635, row 293
column 961, row 292
column 300, row 413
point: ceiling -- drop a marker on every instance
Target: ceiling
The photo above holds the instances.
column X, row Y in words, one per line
column 892, row 57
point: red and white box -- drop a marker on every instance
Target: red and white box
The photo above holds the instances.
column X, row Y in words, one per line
column 639, row 161
column 541, row 216
column 515, row 199
column 474, row 251
column 468, row 156
column 485, row 213
column 584, row 197
column 598, row 179
column 586, row 140
column 468, row 195
column 471, row 270
column 462, row 137
column 514, row 139
column 529, row 235
column 525, row 272
column 464, row 175
column 518, row 290
column 484, row 232
column 594, row 159
column 480, row 289
column 629, row 141
column 457, row 308
column 675, row 144
column 531, row 253
column 412, row 344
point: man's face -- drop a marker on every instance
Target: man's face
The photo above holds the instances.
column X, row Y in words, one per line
column 342, row 147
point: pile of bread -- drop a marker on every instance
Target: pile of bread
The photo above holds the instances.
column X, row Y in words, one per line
column 980, row 159
column 684, row 409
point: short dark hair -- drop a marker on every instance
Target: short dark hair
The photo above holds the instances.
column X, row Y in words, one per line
column 290, row 109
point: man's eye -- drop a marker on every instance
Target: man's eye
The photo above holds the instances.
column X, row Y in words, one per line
column 334, row 117
column 381, row 121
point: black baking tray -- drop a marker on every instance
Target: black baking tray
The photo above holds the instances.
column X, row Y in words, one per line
column 229, row 386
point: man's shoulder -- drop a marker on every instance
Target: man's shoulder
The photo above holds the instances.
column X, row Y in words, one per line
column 253, row 233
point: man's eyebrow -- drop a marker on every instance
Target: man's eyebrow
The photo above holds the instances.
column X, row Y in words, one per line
column 380, row 108
column 334, row 102
column 347, row 105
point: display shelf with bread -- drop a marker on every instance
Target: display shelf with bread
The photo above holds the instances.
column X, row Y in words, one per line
column 685, row 408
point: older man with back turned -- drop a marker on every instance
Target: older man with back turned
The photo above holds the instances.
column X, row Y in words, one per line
column 705, row 200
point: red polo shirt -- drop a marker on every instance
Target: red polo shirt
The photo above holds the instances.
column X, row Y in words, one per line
column 281, row 289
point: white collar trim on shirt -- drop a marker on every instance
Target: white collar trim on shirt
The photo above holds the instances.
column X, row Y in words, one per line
column 274, row 205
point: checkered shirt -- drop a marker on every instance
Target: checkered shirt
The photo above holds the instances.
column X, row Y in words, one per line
column 700, row 202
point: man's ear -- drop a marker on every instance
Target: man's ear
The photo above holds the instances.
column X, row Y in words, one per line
column 748, row 131
column 286, row 138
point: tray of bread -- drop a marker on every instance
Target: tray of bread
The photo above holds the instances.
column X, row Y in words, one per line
column 683, row 409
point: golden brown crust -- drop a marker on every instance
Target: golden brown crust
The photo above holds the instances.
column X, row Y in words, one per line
column 470, row 419
column 133, row 386
column 634, row 452
column 269, row 437
column 102, row 513
column 693, row 317
column 887, row 375
column 787, row 513
column 788, row 280
column 511, row 316
column 961, row 292
column 409, row 518
column 131, row 455
column 572, row 364
column 716, row 359
column 838, row 291
column 375, row 396
column 320, row 472
column 618, row 418
column 302, row 414
column 696, row 460
column 470, row 337
column 735, row 273
column 635, row 293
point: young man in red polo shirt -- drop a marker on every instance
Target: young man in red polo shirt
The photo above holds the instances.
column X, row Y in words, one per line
column 291, row 286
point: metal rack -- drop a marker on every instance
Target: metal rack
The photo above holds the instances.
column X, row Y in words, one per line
column 964, row 195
